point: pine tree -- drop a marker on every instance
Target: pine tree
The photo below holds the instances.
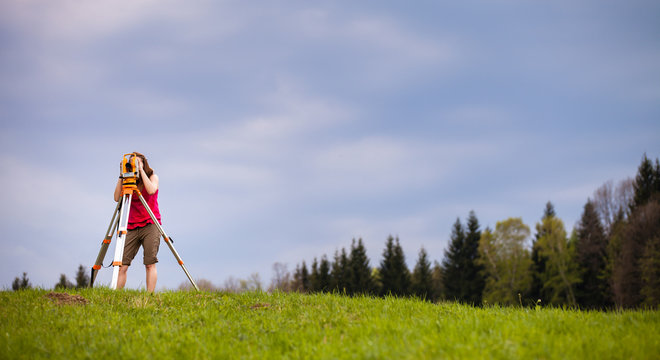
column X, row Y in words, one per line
column 538, row 261
column 473, row 285
column 314, row 285
column 340, row 273
column 296, row 284
column 593, row 290
column 64, row 283
column 386, row 270
column 82, row 279
column 304, row 278
column 324, row 275
column 647, row 182
column 452, row 269
column 394, row 274
column 21, row 283
column 401, row 268
column 422, row 278
column 360, row 279
column 436, row 281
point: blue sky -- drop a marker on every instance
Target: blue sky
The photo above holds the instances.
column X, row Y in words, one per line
column 282, row 130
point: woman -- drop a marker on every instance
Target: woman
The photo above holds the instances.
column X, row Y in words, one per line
column 141, row 229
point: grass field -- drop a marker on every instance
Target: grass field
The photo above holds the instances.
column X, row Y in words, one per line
column 106, row 324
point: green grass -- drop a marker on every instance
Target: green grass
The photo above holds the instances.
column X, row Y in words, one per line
column 188, row 325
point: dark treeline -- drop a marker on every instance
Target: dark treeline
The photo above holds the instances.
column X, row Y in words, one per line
column 610, row 259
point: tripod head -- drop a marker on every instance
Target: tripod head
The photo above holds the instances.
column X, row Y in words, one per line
column 129, row 169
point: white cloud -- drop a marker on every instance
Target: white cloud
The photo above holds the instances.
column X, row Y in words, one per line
column 84, row 21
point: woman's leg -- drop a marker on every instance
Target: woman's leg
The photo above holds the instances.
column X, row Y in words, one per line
column 152, row 277
column 121, row 278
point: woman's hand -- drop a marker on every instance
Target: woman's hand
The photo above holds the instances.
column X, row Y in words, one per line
column 150, row 184
column 140, row 166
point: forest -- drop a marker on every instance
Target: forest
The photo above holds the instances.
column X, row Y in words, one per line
column 611, row 259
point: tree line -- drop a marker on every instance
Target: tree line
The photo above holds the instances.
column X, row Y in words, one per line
column 610, row 259
column 81, row 278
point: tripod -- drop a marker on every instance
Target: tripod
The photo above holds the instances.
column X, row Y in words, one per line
column 119, row 222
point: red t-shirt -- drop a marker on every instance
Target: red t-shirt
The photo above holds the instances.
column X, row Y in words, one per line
column 138, row 216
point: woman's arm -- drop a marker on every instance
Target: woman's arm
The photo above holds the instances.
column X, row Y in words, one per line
column 118, row 190
column 150, row 183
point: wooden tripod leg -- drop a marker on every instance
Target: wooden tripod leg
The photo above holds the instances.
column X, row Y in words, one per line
column 104, row 245
column 167, row 240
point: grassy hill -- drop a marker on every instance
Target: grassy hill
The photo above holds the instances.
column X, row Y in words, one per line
column 101, row 323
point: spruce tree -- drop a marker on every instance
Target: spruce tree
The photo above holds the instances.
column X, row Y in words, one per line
column 422, row 278
column 591, row 247
column 82, row 278
column 647, row 182
column 360, row 279
column 474, row 283
column 402, row 269
column 64, row 283
column 314, row 285
column 304, row 278
column 437, row 283
column 394, row 274
column 452, row 269
column 297, row 284
column 21, row 283
column 386, row 271
column 324, row 275
column 339, row 274
column 538, row 260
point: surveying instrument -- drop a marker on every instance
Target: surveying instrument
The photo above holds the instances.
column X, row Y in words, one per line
column 130, row 174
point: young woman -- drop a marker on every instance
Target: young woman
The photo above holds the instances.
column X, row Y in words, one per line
column 141, row 229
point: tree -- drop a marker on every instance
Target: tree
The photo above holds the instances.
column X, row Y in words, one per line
column 634, row 273
column 281, row 278
column 633, row 266
column 612, row 202
column 646, row 184
column 394, row 274
column 22, row 283
column 64, row 283
column 301, row 278
column 360, row 272
column 538, row 260
column 561, row 272
column 650, row 269
column 506, row 261
column 340, row 273
column 82, row 279
column 452, row 268
column 593, row 289
column 436, row 281
column 324, row 275
column 473, row 283
column 314, row 285
column 422, row 278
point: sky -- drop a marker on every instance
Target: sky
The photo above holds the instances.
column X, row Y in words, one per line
column 282, row 130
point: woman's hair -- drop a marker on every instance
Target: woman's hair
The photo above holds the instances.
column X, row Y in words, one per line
column 145, row 164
